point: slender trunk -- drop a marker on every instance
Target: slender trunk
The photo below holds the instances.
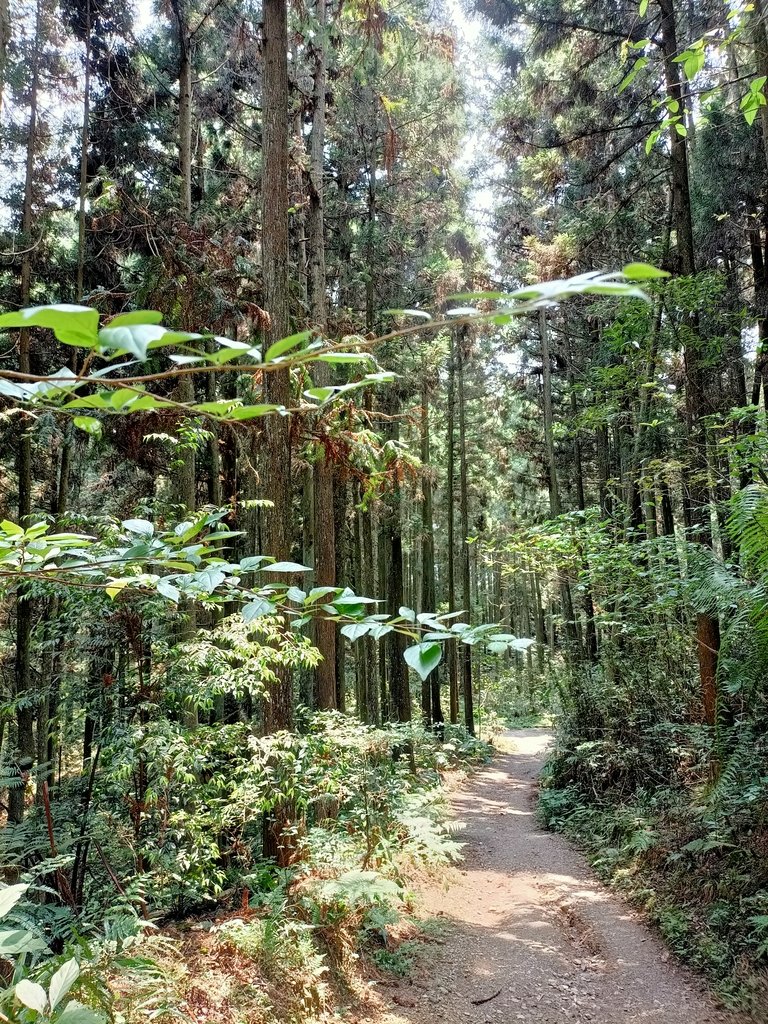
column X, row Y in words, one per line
column 184, row 43
column 278, row 705
column 324, row 536
column 430, row 688
column 707, row 629
column 84, row 137
column 453, row 669
column 25, row 738
column 466, row 649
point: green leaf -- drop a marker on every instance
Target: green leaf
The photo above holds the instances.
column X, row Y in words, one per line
column 256, row 609
column 88, row 423
column 285, row 345
column 250, row 412
column 286, row 567
column 166, row 589
column 637, row 67
column 15, row 531
column 643, row 272
column 423, row 658
column 15, row 941
column 11, row 894
column 76, row 1013
column 251, row 563
column 343, row 357
column 72, row 325
column 295, row 595
column 317, row 592
column 420, row 313
column 407, row 613
column 142, row 527
column 32, row 995
column 681, row 129
column 62, row 982
column 136, row 316
column 354, row 630
column 320, row 394
column 497, row 647
column 643, row 9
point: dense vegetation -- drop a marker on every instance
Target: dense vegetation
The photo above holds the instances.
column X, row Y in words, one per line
column 332, row 435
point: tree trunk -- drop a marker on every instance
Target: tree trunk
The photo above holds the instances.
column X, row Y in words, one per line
column 453, row 665
column 324, row 536
column 278, row 705
column 707, row 628
column 25, row 738
column 466, row 579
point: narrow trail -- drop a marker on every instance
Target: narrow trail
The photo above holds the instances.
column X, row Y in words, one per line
column 534, row 936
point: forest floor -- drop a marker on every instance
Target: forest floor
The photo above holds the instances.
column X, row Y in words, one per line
column 532, row 935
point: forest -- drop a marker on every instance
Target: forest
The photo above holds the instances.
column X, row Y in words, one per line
column 383, row 430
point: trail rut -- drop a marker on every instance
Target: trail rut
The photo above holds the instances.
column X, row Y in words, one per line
column 534, row 936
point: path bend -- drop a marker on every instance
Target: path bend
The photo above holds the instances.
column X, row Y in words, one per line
column 534, row 936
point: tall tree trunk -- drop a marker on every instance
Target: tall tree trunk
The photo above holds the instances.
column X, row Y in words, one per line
column 453, row 664
column 278, row 705
column 278, row 712
column 324, row 536
column 84, row 139
column 707, row 627
column 25, row 738
column 466, row 588
column 555, row 508
column 431, row 709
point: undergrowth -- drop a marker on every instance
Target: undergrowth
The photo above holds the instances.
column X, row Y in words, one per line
column 686, row 843
column 208, row 928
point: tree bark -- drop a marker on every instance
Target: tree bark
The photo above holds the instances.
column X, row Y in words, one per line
column 25, row 718
column 466, row 579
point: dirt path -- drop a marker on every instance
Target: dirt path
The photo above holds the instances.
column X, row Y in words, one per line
column 535, row 934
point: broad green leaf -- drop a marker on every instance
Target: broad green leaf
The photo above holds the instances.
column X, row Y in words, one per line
column 142, row 527
column 77, row 1013
column 343, row 357
column 72, row 325
column 419, row 313
column 166, row 589
column 251, row 563
column 62, row 982
column 285, row 345
column 345, row 600
column 317, row 592
column 643, row 9
column 11, row 894
column 637, row 67
column 497, row 647
column 643, row 272
column 286, row 567
column 407, row 613
column 295, row 595
column 256, row 609
column 354, row 630
column 15, row 941
column 423, row 658
column 320, row 394
column 136, row 316
column 250, row 412
column 15, row 531
column 32, row 995
column 115, row 587
column 88, row 423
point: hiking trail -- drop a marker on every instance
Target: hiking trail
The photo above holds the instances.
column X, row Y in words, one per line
column 533, row 935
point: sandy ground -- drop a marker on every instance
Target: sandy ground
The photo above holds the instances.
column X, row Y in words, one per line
column 533, row 935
